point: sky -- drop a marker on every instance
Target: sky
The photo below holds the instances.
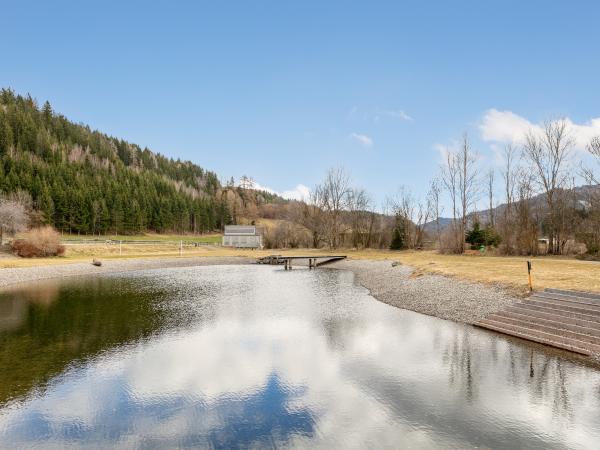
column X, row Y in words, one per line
column 281, row 91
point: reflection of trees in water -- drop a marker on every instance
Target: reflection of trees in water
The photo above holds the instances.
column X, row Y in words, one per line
column 551, row 379
column 14, row 303
column 458, row 357
column 82, row 320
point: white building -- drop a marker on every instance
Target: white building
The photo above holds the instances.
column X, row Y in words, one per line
column 242, row 236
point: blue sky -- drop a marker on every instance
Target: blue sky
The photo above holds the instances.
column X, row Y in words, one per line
column 281, row 90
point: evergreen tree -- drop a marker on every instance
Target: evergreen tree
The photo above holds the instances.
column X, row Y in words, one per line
column 398, row 236
column 84, row 181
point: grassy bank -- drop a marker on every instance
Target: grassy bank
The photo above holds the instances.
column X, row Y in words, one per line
column 548, row 272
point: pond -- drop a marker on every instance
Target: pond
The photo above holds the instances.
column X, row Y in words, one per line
column 254, row 356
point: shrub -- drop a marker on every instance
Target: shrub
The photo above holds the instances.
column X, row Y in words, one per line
column 43, row 241
column 478, row 236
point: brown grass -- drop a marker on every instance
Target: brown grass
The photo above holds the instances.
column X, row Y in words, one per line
column 548, row 272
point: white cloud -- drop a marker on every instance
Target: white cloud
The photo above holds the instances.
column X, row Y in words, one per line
column 398, row 114
column 362, row 139
column 508, row 127
column 300, row 192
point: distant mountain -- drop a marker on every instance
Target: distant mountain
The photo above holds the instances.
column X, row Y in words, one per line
column 581, row 194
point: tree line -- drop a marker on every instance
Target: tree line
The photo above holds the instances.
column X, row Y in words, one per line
column 542, row 198
column 54, row 171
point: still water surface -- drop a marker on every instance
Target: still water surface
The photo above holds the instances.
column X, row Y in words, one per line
column 250, row 356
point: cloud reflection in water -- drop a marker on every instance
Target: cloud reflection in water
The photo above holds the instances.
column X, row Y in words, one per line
column 255, row 356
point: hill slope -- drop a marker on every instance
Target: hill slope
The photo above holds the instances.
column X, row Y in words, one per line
column 85, row 181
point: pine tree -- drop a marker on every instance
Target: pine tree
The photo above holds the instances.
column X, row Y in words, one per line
column 399, row 235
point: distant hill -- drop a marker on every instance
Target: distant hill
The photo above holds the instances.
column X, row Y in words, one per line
column 537, row 201
column 84, row 181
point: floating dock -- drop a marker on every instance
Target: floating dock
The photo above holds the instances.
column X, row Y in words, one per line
column 569, row 320
column 313, row 261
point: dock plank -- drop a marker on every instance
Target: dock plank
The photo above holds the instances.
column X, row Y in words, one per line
column 568, row 320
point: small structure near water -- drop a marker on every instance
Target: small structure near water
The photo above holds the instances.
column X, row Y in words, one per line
column 242, row 236
column 313, row 261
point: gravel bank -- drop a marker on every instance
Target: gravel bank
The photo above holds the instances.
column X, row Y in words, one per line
column 443, row 297
column 26, row 274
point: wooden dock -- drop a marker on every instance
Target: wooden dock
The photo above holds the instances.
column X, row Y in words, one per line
column 313, row 261
column 568, row 320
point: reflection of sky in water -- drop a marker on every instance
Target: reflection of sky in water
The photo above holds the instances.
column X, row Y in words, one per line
column 255, row 356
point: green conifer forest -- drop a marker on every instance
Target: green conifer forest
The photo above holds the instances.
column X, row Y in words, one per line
column 84, row 181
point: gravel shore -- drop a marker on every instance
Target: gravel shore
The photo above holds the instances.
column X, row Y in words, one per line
column 434, row 295
column 26, row 274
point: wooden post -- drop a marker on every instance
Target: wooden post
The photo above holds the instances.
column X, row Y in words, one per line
column 181, row 248
column 529, row 275
column 120, row 248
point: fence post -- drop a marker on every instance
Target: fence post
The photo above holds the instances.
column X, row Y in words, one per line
column 120, row 248
column 181, row 248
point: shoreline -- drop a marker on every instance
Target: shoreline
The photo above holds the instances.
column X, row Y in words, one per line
column 20, row 275
column 400, row 286
column 439, row 296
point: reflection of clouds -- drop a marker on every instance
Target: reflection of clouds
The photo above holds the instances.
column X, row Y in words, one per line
column 307, row 359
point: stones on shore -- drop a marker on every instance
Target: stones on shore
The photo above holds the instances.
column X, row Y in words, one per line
column 435, row 295
column 97, row 262
column 395, row 263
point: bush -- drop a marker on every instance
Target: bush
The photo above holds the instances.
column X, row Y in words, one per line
column 478, row 236
column 44, row 241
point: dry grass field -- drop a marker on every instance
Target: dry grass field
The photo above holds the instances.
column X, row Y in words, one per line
column 548, row 272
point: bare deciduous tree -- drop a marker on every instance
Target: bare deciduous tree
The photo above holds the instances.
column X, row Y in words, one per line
column 526, row 224
column 506, row 223
column 450, row 176
column 490, row 192
column 362, row 217
column 435, row 208
column 332, row 197
column 548, row 154
column 459, row 175
column 510, row 174
column 589, row 231
column 467, row 160
column 13, row 216
column 411, row 214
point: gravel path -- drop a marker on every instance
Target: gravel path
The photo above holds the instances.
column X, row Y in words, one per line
column 26, row 274
column 434, row 295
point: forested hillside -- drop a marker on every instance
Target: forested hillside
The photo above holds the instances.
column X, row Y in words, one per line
column 84, row 181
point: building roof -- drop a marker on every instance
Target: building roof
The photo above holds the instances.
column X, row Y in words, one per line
column 244, row 230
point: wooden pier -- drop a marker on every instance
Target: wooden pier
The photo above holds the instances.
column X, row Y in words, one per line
column 313, row 261
column 564, row 319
